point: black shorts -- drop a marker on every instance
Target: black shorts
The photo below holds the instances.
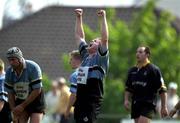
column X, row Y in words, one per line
column 5, row 114
column 86, row 113
column 37, row 106
column 88, row 101
column 142, row 109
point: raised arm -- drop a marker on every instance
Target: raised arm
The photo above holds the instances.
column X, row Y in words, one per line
column 104, row 28
column 79, row 31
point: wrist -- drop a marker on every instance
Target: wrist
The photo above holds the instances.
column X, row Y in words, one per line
column 163, row 107
column 23, row 105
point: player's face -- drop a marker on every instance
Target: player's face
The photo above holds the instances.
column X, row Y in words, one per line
column 14, row 62
column 141, row 54
column 93, row 46
column 74, row 62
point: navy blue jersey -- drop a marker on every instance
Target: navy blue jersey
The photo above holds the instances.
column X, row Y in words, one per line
column 145, row 83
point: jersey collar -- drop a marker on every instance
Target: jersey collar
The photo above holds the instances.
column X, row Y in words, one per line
column 142, row 65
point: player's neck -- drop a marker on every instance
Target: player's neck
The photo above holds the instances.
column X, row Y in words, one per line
column 143, row 63
column 19, row 69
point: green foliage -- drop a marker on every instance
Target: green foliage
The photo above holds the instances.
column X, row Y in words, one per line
column 65, row 59
column 146, row 29
column 46, row 82
column 113, row 90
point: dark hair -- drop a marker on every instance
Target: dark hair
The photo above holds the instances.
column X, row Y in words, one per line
column 147, row 51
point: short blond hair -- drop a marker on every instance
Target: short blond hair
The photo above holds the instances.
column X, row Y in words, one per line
column 75, row 54
column 1, row 65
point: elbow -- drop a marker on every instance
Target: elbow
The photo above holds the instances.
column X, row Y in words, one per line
column 78, row 37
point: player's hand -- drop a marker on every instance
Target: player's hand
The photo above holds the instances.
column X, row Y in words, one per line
column 15, row 118
column 127, row 105
column 78, row 12
column 164, row 112
column 18, row 110
column 172, row 112
column 101, row 13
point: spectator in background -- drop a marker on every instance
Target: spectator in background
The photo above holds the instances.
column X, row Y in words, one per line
column 23, row 81
column 75, row 61
column 52, row 100
column 64, row 99
column 175, row 109
column 172, row 97
column 5, row 113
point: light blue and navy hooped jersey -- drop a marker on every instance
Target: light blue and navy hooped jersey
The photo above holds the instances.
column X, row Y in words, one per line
column 23, row 85
column 98, row 64
column 73, row 81
column 3, row 92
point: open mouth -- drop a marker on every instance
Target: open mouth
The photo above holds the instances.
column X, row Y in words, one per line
column 90, row 44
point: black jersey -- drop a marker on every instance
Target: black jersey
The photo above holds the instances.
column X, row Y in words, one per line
column 144, row 83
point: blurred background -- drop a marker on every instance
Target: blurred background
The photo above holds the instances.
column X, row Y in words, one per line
column 44, row 31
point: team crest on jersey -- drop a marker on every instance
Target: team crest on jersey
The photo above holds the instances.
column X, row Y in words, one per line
column 145, row 73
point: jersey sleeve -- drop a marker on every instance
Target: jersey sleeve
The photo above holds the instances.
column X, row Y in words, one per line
column 73, row 81
column 35, row 76
column 102, row 50
column 8, row 82
column 128, row 84
column 160, row 81
column 82, row 49
column 3, row 93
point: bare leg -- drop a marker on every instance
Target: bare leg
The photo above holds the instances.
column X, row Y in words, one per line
column 36, row 117
column 143, row 119
column 23, row 118
column 136, row 120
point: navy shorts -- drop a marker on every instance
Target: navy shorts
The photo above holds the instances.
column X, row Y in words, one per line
column 5, row 114
column 86, row 113
column 88, row 101
column 37, row 106
column 142, row 109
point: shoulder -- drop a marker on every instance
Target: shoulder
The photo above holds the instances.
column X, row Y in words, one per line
column 73, row 76
column 153, row 67
column 32, row 64
column 8, row 70
column 83, row 45
column 132, row 69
